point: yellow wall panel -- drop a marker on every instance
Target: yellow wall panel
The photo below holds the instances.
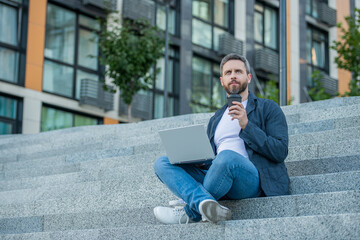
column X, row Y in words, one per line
column 110, row 121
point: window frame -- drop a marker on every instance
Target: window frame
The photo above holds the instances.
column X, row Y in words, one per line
column 176, row 8
column 20, row 48
column 213, row 25
column 312, row 9
column 17, row 122
column 76, row 66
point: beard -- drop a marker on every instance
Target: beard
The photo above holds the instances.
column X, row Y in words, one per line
column 236, row 89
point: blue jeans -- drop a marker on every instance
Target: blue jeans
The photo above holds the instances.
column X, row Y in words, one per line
column 231, row 176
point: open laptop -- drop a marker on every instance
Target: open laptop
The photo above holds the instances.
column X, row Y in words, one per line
column 187, row 144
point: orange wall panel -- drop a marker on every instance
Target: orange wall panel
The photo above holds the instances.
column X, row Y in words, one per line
column 35, row 44
column 110, row 121
column 344, row 76
column 288, row 50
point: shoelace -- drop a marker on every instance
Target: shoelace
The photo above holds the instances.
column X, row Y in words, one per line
column 179, row 211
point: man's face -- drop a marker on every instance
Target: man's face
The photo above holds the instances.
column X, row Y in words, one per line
column 234, row 78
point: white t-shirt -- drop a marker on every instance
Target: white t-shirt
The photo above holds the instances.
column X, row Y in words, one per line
column 227, row 134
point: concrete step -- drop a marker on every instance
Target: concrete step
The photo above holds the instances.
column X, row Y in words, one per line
column 39, row 171
column 325, row 122
column 50, row 192
column 49, row 180
column 262, row 209
column 332, row 227
column 323, row 165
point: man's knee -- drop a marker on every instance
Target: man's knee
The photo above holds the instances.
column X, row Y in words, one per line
column 160, row 163
column 227, row 158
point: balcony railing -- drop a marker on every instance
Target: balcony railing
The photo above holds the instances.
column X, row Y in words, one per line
column 103, row 4
column 330, row 84
column 229, row 44
column 93, row 93
column 327, row 14
column 139, row 9
column 267, row 60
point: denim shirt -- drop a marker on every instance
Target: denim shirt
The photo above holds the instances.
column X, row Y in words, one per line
column 266, row 142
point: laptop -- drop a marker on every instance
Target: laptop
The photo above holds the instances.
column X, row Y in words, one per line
column 187, row 144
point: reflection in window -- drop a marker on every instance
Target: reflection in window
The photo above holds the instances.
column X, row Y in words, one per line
column 88, row 46
column 52, row 119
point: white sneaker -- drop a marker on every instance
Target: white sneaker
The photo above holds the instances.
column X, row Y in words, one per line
column 176, row 203
column 168, row 215
column 212, row 211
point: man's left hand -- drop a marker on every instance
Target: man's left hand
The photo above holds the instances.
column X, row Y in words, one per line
column 237, row 111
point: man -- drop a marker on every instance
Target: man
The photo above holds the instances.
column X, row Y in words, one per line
column 250, row 140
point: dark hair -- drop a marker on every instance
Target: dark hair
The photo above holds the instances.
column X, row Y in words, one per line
column 235, row 56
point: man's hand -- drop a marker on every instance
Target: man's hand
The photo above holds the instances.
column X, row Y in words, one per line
column 237, row 111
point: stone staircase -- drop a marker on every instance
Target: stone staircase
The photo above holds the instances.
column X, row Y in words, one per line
column 97, row 182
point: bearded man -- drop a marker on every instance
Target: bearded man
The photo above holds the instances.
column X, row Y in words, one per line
column 250, row 142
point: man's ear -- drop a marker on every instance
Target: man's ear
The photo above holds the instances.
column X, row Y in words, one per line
column 249, row 77
column 221, row 81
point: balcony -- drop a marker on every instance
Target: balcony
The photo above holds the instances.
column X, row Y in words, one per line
column 93, row 93
column 266, row 60
column 330, row 84
column 139, row 9
column 327, row 14
column 229, row 44
column 141, row 106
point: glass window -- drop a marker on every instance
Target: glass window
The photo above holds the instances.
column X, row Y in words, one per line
column 201, row 81
column 58, row 79
column 161, row 19
column 8, row 24
column 222, row 12
column 207, row 92
column 13, row 40
column 210, row 20
column 172, row 86
column 10, row 115
column 60, row 34
column 89, row 22
column 201, row 33
column 202, row 9
column 52, row 119
column 266, row 26
column 88, row 46
column 62, row 72
column 9, row 64
column 270, row 28
column 316, row 51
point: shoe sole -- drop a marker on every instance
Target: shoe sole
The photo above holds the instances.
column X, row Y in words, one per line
column 212, row 211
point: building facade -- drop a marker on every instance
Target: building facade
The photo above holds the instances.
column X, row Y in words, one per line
column 49, row 81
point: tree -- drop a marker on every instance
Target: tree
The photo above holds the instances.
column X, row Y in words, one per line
column 271, row 91
column 317, row 92
column 348, row 49
column 129, row 52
